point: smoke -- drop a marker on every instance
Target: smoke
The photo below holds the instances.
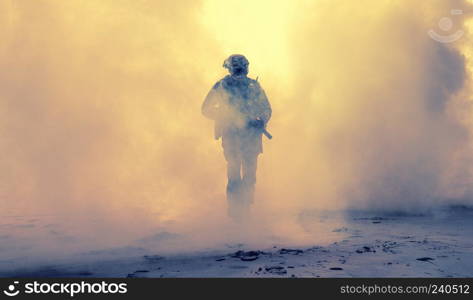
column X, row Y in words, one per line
column 100, row 108
column 374, row 107
column 100, row 111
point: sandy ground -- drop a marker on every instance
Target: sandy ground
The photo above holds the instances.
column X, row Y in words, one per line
column 438, row 244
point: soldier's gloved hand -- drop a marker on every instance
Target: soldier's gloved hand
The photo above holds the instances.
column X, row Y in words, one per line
column 258, row 124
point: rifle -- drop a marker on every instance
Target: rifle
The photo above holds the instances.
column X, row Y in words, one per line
column 259, row 124
column 267, row 134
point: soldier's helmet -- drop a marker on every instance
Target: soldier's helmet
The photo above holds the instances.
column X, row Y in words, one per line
column 236, row 64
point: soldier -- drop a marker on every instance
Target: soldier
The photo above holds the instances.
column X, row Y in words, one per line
column 241, row 111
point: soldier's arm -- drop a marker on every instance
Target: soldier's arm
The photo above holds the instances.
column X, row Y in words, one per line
column 211, row 104
column 265, row 107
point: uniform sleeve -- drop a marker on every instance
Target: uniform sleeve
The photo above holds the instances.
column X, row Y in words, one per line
column 211, row 105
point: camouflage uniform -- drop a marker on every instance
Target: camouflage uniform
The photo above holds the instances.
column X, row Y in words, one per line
column 240, row 109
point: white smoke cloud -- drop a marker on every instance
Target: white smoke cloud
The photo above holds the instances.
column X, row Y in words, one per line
column 100, row 112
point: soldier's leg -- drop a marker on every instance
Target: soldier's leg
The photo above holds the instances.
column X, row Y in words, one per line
column 233, row 158
column 249, row 165
column 233, row 172
column 234, row 188
column 253, row 147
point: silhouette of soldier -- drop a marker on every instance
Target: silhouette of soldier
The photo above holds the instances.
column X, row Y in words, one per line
column 241, row 111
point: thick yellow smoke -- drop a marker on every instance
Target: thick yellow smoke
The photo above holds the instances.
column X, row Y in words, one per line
column 100, row 107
